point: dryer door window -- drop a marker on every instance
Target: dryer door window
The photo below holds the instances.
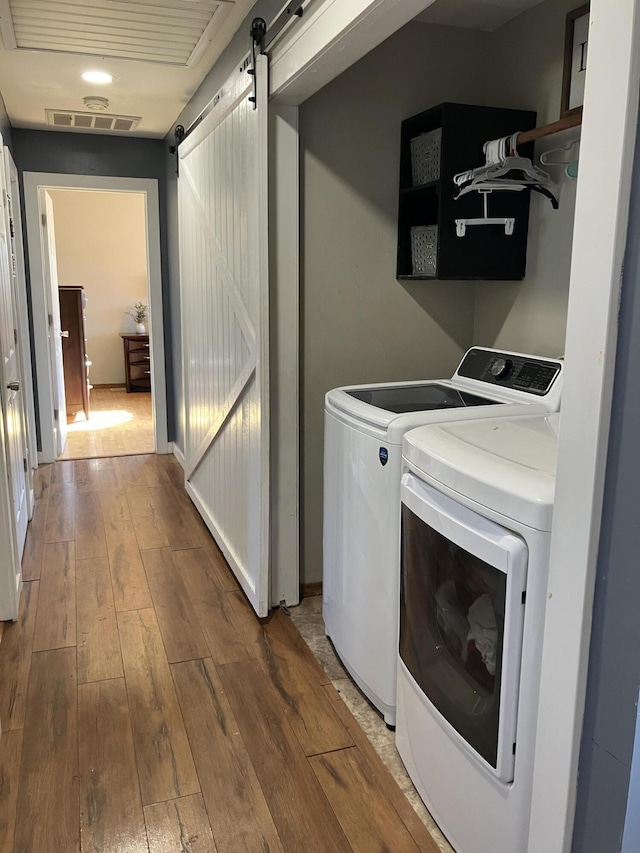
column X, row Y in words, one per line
column 459, row 605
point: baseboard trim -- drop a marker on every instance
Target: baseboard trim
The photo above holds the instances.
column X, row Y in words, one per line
column 173, row 448
column 308, row 590
column 109, row 385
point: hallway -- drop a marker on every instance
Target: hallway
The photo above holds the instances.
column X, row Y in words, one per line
column 145, row 708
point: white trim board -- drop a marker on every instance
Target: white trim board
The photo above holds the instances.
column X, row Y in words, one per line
column 600, row 232
column 33, row 183
column 329, row 38
column 284, row 286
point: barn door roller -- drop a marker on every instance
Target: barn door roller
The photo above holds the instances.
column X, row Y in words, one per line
column 262, row 36
column 258, row 32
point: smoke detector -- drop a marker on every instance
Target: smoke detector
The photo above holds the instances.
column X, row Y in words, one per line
column 96, row 104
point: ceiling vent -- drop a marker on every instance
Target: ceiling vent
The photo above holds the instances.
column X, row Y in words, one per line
column 171, row 32
column 91, row 121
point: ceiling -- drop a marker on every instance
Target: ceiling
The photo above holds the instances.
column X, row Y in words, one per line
column 475, row 14
column 158, row 51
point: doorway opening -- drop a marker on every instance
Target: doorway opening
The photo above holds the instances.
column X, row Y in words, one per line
column 102, row 277
column 97, row 313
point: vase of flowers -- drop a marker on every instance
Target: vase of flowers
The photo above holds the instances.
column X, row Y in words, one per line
column 139, row 315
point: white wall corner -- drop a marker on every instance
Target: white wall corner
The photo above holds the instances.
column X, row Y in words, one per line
column 177, row 452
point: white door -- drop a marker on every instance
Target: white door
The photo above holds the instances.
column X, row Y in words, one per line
column 54, row 328
column 19, row 288
column 11, row 399
column 225, row 322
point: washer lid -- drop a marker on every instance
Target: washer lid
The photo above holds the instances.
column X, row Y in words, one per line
column 505, row 464
column 417, row 397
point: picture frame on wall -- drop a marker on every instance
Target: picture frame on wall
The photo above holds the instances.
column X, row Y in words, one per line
column 576, row 42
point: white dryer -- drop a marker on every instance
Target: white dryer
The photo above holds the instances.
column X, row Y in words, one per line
column 364, row 428
column 477, row 502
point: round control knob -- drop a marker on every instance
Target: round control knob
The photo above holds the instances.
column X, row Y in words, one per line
column 501, row 368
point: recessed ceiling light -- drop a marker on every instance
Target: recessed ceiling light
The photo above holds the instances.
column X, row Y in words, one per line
column 97, row 77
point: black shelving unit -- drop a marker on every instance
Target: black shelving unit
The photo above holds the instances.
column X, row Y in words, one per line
column 485, row 252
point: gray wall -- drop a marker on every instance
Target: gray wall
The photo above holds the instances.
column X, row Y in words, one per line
column 107, row 156
column 358, row 324
column 614, row 662
column 525, row 72
column 89, row 154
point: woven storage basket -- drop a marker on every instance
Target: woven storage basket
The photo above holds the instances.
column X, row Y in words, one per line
column 424, row 249
column 425, row 157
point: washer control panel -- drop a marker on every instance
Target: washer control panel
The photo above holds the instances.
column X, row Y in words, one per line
column 510, row 370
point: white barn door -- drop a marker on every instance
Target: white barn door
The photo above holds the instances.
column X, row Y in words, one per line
column 225, row 325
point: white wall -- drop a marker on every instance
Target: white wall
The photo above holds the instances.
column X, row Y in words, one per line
column 525, row 72
column 101, row 244
column 358, row 323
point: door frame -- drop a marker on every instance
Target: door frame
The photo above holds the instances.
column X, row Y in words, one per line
column 54, row 326
column 284, row 333
column 599, row 240
column 33, row 183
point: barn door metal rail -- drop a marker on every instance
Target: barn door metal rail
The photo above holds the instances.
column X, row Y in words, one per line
column 261, row 37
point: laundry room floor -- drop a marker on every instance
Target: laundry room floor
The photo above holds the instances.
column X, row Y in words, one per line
column 308, row 620
column 144, row 706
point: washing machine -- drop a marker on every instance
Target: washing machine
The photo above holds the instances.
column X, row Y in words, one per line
column 364, row 428
column 477, row 502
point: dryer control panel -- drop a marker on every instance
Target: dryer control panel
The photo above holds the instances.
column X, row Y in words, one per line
column 510, row 370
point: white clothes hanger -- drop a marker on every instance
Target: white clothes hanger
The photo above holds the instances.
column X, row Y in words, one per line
column 544, row 157
column 498, row 174
column 501, row 161
column 508, row 222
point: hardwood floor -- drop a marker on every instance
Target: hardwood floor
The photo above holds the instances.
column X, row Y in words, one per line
column 144, row 707
column 120, row 423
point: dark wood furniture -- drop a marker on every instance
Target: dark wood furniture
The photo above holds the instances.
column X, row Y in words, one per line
column 74, row 355
column 485, row 252
column 137, row 362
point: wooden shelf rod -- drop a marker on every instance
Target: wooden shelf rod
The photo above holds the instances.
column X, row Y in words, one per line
column 547, row 129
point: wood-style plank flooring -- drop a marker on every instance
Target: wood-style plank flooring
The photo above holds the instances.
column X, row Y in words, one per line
column 145, row 709
column 119, row 424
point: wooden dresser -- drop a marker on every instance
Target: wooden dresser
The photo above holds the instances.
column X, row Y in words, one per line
column 137, row 362
column 74, row 355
